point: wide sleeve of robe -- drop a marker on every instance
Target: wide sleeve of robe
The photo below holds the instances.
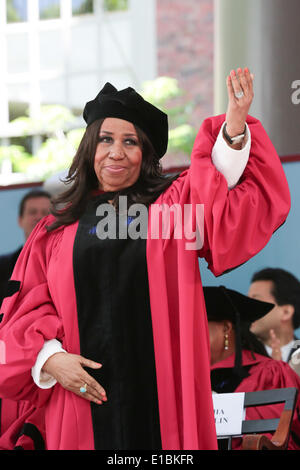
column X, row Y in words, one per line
column 22, row 426
column 233, row 226
column 236, row 223
column 29, row 317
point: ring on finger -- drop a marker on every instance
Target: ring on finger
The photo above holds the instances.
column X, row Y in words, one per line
column 239, row 94
column 83, row 389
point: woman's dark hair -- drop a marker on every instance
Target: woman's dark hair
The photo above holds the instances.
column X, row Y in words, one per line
column 250, row 341
column 82, row 177
column 245, row 340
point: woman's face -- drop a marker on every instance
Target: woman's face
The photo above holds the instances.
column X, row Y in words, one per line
column 118, row 157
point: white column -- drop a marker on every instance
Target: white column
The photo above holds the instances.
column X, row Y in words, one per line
column 143, row 20
column 4, row 112
column 280, row 67
column 98, row 12
column 66, row 18
column 263, row 35
column 231, row 44
column 34, row 58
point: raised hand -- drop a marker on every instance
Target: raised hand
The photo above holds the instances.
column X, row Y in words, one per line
column 240, row 96
column 275, row 345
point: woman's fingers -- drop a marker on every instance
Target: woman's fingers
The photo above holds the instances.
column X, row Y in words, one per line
column 237, row 88
column 87, row 391
column 69, row 370
column 94, row 387
column 230, row 88
column 89, row 363
column 249, row 77
column 93, row 392
column 86, row 387
column 243, row 81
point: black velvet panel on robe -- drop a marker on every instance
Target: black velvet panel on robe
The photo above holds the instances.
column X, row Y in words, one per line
column 115, row 329
column 224, row 380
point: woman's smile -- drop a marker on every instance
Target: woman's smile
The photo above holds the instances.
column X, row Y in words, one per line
column 115, row 168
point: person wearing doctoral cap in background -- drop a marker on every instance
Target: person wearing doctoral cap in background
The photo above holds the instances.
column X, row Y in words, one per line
column 239, row 362
column 128, row 311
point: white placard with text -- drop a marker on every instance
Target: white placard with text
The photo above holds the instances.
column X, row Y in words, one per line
column 229, row 413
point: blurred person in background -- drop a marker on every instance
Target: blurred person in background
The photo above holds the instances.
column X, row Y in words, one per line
column 21, row 425
column 33, row 207
column 103, row 328
column 277, row 329
column 239, row 361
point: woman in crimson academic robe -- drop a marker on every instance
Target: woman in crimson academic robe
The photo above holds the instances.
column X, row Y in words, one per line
column 108, row 331
column 239, row 361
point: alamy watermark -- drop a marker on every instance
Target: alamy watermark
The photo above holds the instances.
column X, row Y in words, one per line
column 295, row 97
column 180, row 222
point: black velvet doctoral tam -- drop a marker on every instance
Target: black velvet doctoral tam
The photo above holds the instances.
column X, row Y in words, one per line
column 127, row 104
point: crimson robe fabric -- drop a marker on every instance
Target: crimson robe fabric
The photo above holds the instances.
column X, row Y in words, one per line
column 266, row 374
column 236, row 225
column 22, row 426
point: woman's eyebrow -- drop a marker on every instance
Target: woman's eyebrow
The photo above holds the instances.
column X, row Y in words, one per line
column 125, row 134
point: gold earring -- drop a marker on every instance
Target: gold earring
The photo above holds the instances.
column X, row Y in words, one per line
column 226, row 342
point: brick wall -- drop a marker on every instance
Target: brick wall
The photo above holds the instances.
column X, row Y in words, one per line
column 185, row 50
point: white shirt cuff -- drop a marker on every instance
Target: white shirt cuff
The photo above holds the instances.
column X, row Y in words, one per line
column 294, row 362
column 228, row 161
column 42, row 379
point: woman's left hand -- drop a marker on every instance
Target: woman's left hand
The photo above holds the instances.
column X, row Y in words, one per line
column 240, row 82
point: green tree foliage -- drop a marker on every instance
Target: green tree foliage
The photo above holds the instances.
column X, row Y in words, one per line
column 15, row 154
column 165, row 93
column 54, row 124
column 51, row 120
column 115, row 5
column 86, row 6
column 51, row 11
column 13, row 16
